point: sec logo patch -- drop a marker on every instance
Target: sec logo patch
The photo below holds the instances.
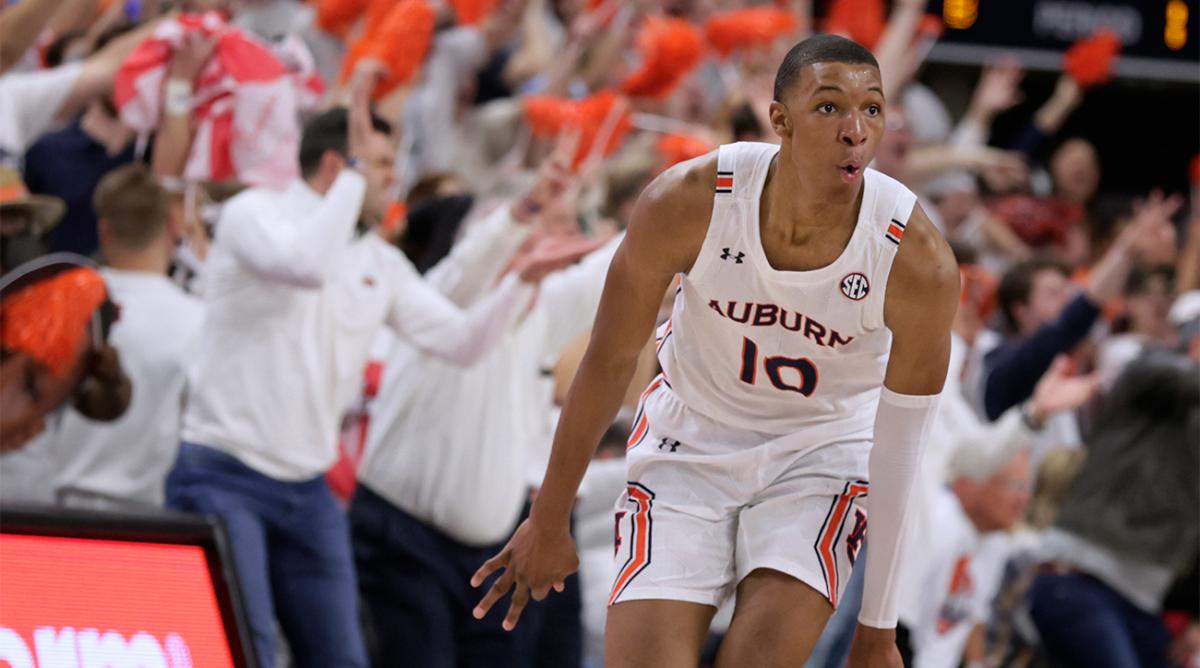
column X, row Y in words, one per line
column 855, row 286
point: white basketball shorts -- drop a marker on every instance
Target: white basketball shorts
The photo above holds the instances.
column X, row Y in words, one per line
column 707, row 504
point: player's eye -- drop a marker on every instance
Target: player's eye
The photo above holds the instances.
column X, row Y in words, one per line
column 827, row 108
column 873, row 110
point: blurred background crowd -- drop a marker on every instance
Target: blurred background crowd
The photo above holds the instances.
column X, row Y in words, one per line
column 348, row 252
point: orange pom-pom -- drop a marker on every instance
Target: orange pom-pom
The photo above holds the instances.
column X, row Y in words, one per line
column 47, row 319
column 547, row 116
column 473, row 12
column 675, row 148
column 377, row 13
column 859, row 20
column 337, row 16
column 400, row 41
column 671, row 49
column 747, row 28
column 1089, row 61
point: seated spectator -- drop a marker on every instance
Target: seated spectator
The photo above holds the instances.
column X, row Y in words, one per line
column 960, row 566
column 124, row 463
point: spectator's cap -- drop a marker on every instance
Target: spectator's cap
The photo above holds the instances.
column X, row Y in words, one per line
column 47, row 304
column 42, row 212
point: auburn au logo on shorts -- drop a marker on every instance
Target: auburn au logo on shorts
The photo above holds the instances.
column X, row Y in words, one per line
column 855, row 286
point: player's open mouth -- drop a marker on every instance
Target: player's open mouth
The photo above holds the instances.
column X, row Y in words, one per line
column 850, row 172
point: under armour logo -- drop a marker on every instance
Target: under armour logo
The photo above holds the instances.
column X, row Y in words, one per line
column 737, row 257
column 668, row 443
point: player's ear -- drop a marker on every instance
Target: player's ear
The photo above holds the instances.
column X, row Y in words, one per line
column 781, row 122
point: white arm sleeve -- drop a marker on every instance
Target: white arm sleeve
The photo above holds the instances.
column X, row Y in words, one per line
column 902, row 425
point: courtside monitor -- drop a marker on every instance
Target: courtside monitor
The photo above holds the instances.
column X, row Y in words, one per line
column 101, row 589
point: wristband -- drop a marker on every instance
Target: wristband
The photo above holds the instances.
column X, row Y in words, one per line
column 177, row 97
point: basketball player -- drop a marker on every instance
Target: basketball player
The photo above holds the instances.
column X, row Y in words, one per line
column 807, row 347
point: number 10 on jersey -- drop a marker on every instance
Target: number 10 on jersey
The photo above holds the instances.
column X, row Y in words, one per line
column 775, row 366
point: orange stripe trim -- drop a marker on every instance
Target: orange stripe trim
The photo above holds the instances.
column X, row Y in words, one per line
column 724, row 181
column 640, row 548
column 831, row 531
column 638, row 432
column 895, row 231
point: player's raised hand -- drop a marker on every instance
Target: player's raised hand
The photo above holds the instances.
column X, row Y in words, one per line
column 537, row 559
column 874, row 648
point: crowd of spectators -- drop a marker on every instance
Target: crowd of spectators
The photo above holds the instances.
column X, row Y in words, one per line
column 324, row 270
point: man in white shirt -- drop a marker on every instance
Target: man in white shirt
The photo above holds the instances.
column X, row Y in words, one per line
column 293, row 301
column 958, row 570
column 123, row 464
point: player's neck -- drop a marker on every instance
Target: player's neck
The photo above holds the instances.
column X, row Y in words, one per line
column 791, row 201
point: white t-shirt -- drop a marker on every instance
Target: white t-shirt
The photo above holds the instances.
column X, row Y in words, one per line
column 450, row 446
column 158, row 336
column 29, row 105
column 958, row 573
column 293, row 302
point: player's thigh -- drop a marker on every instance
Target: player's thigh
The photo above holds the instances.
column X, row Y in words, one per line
column 776, row 622
column 655, row 633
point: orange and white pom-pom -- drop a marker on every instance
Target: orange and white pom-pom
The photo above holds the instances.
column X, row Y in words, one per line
column 670, row 48
column 46, row 320
column 246, row 101
column 548, row 116
column 747, row 28
column 1089, row 61
column 859, row 20
column 676, row 148
column 401, row 40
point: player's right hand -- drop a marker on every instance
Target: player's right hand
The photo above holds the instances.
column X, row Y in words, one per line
column 536, row 560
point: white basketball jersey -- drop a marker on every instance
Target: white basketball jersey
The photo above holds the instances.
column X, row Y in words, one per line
column 777, row 351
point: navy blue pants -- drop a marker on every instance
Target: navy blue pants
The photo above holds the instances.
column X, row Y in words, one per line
column 291, row 549
column 415, row 584
column 1084, row 623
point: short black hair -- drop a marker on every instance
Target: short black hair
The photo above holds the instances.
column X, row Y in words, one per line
column 1017, row 284
column 329, row 132
column 819, row 49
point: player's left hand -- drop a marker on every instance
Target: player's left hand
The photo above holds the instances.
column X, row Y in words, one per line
column 874, row 648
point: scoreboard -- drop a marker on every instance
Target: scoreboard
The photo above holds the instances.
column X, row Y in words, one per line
column 1159, row 38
